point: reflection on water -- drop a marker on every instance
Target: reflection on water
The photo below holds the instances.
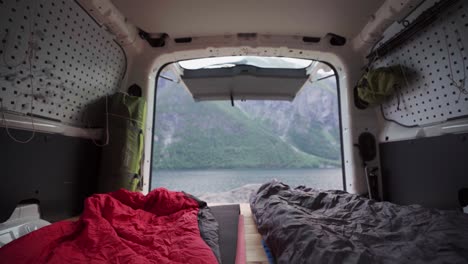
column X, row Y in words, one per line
column 202, row 182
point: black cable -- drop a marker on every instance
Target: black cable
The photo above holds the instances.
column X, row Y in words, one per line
column 125, row 62
column 394, row 121
column 167, row 78
column 323, row 78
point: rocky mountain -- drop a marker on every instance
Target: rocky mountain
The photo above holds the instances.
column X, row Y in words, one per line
column 253, row 134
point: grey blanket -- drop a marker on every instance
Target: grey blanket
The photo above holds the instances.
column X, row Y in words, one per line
column 304, row 225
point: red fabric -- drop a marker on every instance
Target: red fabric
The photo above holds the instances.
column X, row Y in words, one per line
column 241, row 257
column 119, row 227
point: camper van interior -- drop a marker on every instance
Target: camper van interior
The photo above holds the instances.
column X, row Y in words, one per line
column 233, row 131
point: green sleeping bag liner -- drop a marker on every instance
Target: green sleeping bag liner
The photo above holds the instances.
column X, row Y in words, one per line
column 121, row 157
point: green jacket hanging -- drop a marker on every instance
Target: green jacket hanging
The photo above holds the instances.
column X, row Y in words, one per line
column 378, row 85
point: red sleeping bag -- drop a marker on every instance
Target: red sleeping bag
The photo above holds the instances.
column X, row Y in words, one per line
column 119, row 227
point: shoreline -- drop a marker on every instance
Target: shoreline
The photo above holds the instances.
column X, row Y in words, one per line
column 201, row 182
column 246, row 169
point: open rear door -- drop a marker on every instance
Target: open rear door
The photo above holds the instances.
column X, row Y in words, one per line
column 244, row 78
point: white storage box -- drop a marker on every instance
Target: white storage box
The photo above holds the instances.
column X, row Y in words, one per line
column 24, row 220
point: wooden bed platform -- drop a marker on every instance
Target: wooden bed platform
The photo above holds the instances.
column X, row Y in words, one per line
column 254, row 251
column 253, row 240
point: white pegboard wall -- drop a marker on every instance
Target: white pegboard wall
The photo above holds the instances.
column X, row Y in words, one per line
column 55, row 60
column 431, row 60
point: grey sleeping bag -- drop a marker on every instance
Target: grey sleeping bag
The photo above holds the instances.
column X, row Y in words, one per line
column 305, row 225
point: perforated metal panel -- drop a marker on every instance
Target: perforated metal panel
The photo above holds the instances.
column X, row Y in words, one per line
column 436, row 68
column 55, row 59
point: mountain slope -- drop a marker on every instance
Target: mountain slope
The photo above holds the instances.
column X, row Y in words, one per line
column 310, row 123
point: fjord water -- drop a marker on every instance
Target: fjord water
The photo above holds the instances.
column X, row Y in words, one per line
column 199, row 182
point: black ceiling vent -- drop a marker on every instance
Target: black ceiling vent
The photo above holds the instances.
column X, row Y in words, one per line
column 311, row 39
column 246, row 36
column 156, row 42
column 135, row 90
column 336, row 40
column 183, row 40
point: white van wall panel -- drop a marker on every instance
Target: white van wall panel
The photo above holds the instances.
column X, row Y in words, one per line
column 430, row 59
column 55, row 60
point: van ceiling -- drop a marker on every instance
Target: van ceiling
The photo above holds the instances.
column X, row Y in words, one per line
column 314, row 18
